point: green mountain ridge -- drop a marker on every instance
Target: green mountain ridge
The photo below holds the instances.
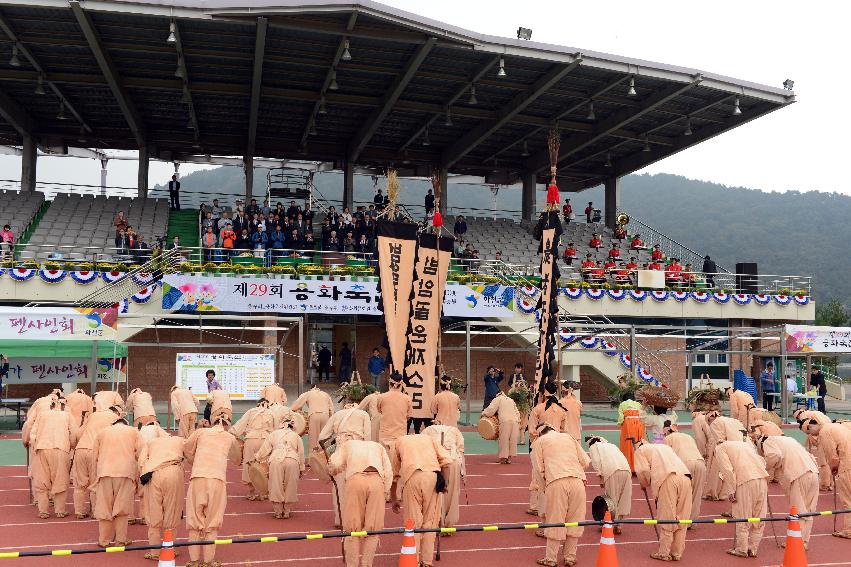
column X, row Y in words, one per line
column 791, row 233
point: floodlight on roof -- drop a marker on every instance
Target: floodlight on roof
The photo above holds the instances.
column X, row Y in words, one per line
column 82, row 137
column 524, row 33
column 333, row 86
column 525, row 152
column 473, row 100
column 347, row 55
column 608, row 160
column 736, row 109
column 312, row 130
column 646, row 147
column 631, row 91
column 61, row 114
column 171, row 36
column 179, row 71
column 501, row 72
column 591, row 114
column 448, row 121
column 426, row 141
column 14, row 61
column 788, row 84
column 687, row 131
column 322, row 110
column 39, row 88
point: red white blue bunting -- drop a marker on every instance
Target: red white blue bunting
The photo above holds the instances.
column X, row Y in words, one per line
column 85, row 277
column 2, row 271
column 589, row 342
column 700, row 296
column 782, row 299
column 52, row 276
column 124, row 307
column 679, row 295
column 573, row 292
column 526, row 305
column 112, row 277
column 644, row 374
column 142, row 278
column 801, row 299
column 721, row 297
column 637, row 294
column 595, row 294
column 22, row 274
column 616, row 294
column 742, row 298
column 659, row 294
column 143, row 295
column 566, row 335
column 762, row 299
column 609, row 348
column 626, row 361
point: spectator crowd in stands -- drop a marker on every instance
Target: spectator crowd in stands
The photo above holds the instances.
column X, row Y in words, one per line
column 130, row 244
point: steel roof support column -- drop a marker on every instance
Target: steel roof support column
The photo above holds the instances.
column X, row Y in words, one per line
column 444, row 191
column 612, row 201
column 248, row 168
column 528, row 204
column 144, row 162
column 28, row 163
column 349, row 185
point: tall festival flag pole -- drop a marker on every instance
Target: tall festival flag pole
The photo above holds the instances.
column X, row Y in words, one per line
column 548, row 231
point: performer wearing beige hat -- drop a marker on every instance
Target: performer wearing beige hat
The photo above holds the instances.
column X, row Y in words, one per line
column 446, row 405
column 52, row 437
column 252, row 428
column 184, row 408
column 282, row 451
column 745, row 483
column 450, row 438
column 506, row 411
column 320, row 407
column 796, row 470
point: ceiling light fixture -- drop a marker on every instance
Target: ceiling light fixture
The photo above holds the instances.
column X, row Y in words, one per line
column 525, row 152
column 687, row 131
column 501, row 72
column 736, row 109
column 591, row 114
column 14, row 61
column 426, row 141
column 312, row 129
column 631, row 91
column 172, row 38
column 524, row 33
column 39, row 88
column 333, row 86
column 179, row 71
column 608, row 160
column 185, row 98
column 322, row 110
column 347, row 55
column 61, row 115
column 473, row 100
column 448, row 121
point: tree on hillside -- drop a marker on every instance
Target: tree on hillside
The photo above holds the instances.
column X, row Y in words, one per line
column 831, row 314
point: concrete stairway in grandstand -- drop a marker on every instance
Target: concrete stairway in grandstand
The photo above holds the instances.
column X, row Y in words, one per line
column 152, row 310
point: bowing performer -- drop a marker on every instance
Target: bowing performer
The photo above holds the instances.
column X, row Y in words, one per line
column 274, row 394
column 369, row 479
column 320, row 406
column 370, row 405
column 745, row 483
column 720, row 429
column 78, row 404
column 184, row 408
column 825, row 478
column 52, row 437
column 573, row 415
column 834, row 441
column 686, row 449
column 84, row 468
column 141, row 405
column 660, row 469
column 741, row 404
column 395, row 408
column 218, row 404
column 280, row 413
column 161, row 474
column 105, row 399
column 148, row 432
column 614, row 472
column 252, row 428
column 446, row 404
column 283, row 452
column 449, row 437
column 561, row 464
column 505, row 410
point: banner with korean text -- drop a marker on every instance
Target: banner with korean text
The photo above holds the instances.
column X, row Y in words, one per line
column 60, row 370
column 549, row 310
column 423, row 335
column 813, row 339
column 396, row 247
column 58, row 323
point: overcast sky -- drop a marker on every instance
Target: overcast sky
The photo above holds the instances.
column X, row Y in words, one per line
column 798, row 147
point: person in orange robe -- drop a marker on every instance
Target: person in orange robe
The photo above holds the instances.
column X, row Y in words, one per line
column 369, row 479
column 116, row 456
column 686, row 449
column 78, row 404
column 283, row 453
column 446, row 405
column 796, row 470
column 417, row 460
column 105, row 399
column 573, row 417
column 208, row 451
column 52, row 437
column 395, row 408
column 504, row 408
column 161, row 471
column 252, row 429
column 834, row 442
column 745, row 483
column 320, row 407
column 660, row 469
column 274, row 394
column 632, row 429
column 84, row 470
column 184, row 408
column 449, row 437
column 561, row 464
column 141, row 405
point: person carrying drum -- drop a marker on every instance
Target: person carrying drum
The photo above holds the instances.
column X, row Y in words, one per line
column 505, row 410
column 395, row 409
column 614, row 472
column 561, row 463
column 252, row 429
column 349, row 423
column 283, row 454
column 320, row 406
column 450, row 438
column 686, row 449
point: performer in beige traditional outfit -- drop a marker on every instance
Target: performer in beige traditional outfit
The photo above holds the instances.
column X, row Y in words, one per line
column 369, row 478
column 446, row 405
column 184, row 408
column 720, row 429
column 417, row 460
column 161, row 471
column 274, row 394
column 78, row 404
column 149, row 432
column 347, row 424
column 700, row 430
column 825, row 478
column 208, row 451
column 116, row 456
column 105, row 399
column 283, row 452
column 741, row 403
column 834, row 441
column 550, row 412
column 450, row 438
column 220, row 405
column 39, row 405
column 615, row 474
column 506, row 411
column 395, row 408
column 320, row 406
column 561, row 463
column 370, row 405
column 745, row 483
column 280, row 413
column 141, row 405
column 52, row 437
column 796, row 470
column 660, row 469
column 252, row 428
column 573, row 417
column 84, row 470
column 686, row 449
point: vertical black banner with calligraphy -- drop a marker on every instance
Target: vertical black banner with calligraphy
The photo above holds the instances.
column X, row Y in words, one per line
column 396, row 248
column 548, row 230
column 421, row 351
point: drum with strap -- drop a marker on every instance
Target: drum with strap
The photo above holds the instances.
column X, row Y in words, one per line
column 602, row 504
column 488, row 428
column 318, row 461
column 258, row 475
column 772, row 417
column 300, row 424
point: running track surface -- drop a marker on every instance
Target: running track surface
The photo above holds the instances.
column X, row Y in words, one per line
column 496, row 493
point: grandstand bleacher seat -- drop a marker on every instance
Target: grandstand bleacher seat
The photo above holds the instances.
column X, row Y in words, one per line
column 18, row 209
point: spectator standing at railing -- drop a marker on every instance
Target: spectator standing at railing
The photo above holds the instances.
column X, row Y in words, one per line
column 7, row 241
column 709, row 270
column 460, row 228
column 429, row 202
column 349, row 243
column 174, row 192
column 141, row 251
column 209, row 242
column 227, row 238
column 296, row 241
column 259, row 239
column 252, row 209
column 243, row 242
column 363, row 245
column 120, row 223
column 333, row 216
column 589, row 210
column 240, row 221
column 299, row 224
column 122, row 242
column 333, row 244
column 265, row 209
column 208, row 222
column 217, row 212
column 308, row 246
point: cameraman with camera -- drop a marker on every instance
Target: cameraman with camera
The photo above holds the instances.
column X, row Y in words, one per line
column 492, row 379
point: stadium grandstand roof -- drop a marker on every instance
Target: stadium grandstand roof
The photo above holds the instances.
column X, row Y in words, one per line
column 274, row 79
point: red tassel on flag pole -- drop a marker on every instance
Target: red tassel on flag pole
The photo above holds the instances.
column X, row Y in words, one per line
column 552, row 194
column 437, row 219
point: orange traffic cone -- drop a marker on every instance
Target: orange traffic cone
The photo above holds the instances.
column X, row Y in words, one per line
column 608, row 554
column 167, row 550
column 795, row 555
column 408, row 557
